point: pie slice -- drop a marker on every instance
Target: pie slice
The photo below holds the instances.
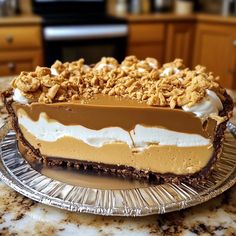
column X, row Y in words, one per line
column 135, row 119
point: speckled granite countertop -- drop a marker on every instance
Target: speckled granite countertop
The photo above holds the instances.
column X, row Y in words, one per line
column 22, row 216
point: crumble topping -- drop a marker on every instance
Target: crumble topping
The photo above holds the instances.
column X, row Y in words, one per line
column 146, row 81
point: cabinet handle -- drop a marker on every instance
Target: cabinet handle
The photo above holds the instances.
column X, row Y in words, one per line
column 9, row 39
column 234, row 43
column 11, row 66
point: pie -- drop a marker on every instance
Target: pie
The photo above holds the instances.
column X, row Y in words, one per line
column 136, row 119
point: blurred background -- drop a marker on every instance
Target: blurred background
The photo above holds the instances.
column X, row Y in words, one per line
column 38, row 32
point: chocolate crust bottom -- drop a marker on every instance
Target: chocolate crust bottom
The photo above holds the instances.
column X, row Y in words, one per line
column 126, row 171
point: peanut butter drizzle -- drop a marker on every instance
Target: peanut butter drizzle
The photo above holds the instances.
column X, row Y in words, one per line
column 109, row 111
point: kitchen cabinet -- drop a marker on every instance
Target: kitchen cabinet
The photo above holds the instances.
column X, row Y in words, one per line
column 209, row 40
column 216, row 49
column 164, row 41
column 20, row 48
column 180, row 42
column 146, row 40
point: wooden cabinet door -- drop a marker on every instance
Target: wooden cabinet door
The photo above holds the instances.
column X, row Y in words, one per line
column 13, row 62
column 146, row 40
column 216, row 49
column 141, row 51
column 180, row 43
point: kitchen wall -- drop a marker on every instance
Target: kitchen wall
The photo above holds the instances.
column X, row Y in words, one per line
column 210, row 6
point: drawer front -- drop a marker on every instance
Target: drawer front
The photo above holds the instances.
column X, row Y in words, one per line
column 14, row 68
column 12, row 63
column 146, row 32
column 20, row 37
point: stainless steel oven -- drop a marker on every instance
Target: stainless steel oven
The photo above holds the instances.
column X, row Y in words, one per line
column 78, row 28
column 69, row 43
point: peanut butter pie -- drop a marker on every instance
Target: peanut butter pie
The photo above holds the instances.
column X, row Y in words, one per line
column 134, row 119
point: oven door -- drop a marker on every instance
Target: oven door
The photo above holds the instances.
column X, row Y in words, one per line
column 68, row 43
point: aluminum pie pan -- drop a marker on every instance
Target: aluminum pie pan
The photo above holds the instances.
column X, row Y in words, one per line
column 16, row 172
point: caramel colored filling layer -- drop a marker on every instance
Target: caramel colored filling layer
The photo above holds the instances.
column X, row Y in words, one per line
column 109, row 111
column 159, row 159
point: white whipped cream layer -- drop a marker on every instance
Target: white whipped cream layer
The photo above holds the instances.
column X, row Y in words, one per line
column 211, row 104
column 54, row 71
column 139, row 138
column 19, row 97
column 103, row 65
column 169, row 71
